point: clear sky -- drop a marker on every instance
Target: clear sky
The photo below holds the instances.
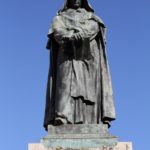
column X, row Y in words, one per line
column 24, row 68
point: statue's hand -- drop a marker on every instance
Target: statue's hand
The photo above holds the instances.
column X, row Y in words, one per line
column 68, row 36
column 65, row 38
column 75, row 36
column 78, row 36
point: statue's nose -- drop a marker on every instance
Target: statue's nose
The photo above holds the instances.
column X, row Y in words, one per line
column 76, row 1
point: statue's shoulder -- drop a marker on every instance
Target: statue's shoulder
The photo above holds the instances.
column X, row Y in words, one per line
column 59, row 16
column 92, row 15
column 57, row 21
column 98, row 19
column 56, row 18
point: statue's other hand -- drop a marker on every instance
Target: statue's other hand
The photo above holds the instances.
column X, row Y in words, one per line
column 76, row 36
column 65, row 38
column 68, row 36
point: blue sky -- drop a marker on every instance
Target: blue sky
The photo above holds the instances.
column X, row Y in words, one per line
column 24, row 68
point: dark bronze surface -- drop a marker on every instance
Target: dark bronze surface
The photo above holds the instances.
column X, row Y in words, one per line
column 79, row 89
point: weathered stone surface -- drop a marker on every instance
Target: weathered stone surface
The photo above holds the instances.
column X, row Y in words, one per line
column 101, row 130
column 120, row 146
column 78, row 129
column 78, row 143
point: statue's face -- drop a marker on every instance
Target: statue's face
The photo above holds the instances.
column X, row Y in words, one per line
column 74, row 4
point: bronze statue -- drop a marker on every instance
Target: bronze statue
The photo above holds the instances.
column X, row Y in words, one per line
column 79, row 89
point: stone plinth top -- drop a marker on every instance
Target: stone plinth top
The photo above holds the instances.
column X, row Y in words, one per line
column 120, row 146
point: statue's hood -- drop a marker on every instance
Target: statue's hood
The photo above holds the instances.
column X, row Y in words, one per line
column 85, row 5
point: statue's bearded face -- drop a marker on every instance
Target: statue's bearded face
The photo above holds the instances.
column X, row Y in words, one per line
column 74, row 4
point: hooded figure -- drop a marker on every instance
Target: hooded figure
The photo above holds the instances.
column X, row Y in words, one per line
column 79, row 89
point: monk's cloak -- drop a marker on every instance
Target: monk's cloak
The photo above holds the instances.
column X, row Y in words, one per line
column 86, row 77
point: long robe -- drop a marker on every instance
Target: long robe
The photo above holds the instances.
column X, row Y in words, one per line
column 79, row 89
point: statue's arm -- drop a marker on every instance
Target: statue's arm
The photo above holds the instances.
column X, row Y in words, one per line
column 59, row 29
column 62, row 34
column 91, row 28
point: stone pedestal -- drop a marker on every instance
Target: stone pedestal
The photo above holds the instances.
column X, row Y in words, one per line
column 79, row 136
column 120, row 146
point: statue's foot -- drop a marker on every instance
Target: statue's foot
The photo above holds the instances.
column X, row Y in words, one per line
column 108, row 123
column 60, row 121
